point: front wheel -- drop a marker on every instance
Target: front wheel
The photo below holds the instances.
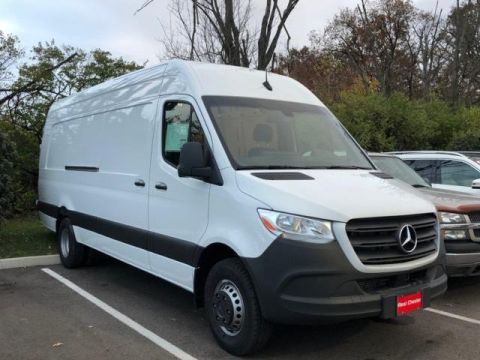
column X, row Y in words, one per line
column 233, row 310
column 72, row 253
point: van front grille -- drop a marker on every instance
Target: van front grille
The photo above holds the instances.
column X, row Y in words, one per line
column 375, row 240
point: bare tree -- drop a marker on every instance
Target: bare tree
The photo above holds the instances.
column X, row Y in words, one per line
column 193, row 32
column 224, row 31
column 463, row 41
column 428, row 49
column 270, row 32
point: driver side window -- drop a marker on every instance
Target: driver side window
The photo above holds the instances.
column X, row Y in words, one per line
column 180, row 125
column 457, row 173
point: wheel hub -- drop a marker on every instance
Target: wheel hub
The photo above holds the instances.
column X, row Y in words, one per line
column 228, row 307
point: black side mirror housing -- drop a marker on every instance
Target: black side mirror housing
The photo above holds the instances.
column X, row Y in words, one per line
column 196, row 162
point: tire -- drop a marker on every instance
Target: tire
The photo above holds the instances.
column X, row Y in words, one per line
column 233, row 310
column 72, row 254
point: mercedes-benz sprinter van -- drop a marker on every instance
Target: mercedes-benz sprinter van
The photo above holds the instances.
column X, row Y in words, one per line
column 243, row 190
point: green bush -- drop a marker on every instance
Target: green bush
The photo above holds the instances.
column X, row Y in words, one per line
column 396, row 123
column 467, row 136
column 18, row 170
column 8, row 158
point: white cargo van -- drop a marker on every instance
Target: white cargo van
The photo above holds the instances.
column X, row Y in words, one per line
column 247, row 193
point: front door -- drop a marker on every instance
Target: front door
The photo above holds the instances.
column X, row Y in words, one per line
column 178, row 207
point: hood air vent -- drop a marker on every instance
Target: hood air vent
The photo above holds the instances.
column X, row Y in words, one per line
column 282, row 175
column 381, row 175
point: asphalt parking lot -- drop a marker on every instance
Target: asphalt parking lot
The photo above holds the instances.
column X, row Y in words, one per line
column 41, row 318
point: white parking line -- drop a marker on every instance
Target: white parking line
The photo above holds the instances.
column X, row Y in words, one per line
column 454, row 316
column 164, row 344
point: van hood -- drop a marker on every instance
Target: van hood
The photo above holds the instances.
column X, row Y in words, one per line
column 452, row 201
column 337, row 195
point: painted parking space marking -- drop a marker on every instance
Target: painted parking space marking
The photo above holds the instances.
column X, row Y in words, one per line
column 164, row 344
column 454, row 316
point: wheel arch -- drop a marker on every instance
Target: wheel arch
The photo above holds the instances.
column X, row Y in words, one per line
column 208, row 257
column 61, row 214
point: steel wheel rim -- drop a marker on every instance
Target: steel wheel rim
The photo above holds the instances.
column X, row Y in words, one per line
column 65, row 243
column 228, row 307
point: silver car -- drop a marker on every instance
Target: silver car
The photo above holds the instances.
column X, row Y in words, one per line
column 459, row 171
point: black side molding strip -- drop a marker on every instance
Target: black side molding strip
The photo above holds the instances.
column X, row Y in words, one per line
column 47, row 209
column 82, row 168
column 173, row 248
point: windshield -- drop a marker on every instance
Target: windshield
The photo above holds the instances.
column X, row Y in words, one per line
column 398, row 169
column 269, row 134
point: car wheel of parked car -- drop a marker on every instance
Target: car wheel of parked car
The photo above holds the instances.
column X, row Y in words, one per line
column 72, row 253
column 233, row 310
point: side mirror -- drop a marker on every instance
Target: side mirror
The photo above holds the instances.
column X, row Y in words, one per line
column 193, row 162
column 476, row 184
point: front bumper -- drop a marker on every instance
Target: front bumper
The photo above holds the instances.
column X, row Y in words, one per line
column 463, row 264
column 305, row 283
column 463, row 258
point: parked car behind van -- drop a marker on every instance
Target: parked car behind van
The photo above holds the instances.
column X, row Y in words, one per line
column 243, row 190
column 458, row 171
column 459, row 215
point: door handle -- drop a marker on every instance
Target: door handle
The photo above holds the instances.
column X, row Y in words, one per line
column 140, row 183
column 161, row 186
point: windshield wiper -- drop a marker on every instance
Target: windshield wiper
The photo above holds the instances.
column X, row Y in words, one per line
column 347, row 167
column 283, row 167
column 270, row 167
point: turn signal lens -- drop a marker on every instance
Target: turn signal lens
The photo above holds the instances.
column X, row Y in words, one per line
column 296, row 227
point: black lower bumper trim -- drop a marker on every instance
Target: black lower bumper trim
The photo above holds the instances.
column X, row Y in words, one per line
column 304, row 283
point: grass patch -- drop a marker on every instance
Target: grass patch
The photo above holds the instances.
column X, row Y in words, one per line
column 25, row 236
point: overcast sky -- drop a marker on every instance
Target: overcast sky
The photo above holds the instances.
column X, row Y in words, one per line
column 111, row 25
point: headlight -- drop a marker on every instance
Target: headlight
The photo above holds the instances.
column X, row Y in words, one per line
column 451, row 218
column 455, row 235
column 452, row 228
column 296, row 227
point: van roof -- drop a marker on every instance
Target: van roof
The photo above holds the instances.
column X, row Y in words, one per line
column 192, row 78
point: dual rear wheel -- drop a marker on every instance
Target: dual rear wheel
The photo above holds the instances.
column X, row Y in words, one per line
column 72, row 253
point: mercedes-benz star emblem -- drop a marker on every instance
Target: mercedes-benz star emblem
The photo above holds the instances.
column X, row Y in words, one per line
column 407, row 238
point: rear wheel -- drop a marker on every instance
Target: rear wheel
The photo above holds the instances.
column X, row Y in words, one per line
column 72, row 253
column 233, row 310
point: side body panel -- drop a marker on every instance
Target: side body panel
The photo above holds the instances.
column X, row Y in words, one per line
column 106, row 152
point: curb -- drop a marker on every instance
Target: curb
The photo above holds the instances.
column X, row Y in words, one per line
column 28, row 261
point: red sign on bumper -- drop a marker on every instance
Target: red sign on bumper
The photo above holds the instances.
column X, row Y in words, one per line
column 409, row 303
